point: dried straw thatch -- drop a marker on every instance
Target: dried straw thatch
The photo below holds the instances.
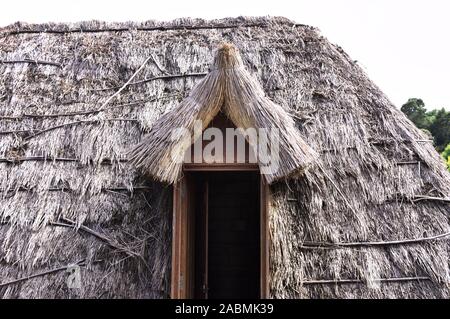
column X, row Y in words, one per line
column 370, row 219
column 231, row 87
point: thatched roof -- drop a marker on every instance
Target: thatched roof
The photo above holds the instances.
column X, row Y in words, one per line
column 230, row 88
column 375, row 199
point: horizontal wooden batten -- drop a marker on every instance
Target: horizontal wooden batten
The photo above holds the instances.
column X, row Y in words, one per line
column 221, row 167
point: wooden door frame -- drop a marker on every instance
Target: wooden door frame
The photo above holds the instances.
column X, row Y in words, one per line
column 181, row 279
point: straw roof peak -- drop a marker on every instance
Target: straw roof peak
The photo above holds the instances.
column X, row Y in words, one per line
column 227, row 56
column 228, row 87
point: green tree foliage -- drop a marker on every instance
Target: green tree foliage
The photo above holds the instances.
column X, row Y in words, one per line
column 446, row 155
column 437, row 122
column 440, row 129
column 415, row 110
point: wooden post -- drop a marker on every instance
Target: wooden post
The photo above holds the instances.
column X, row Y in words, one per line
column 179, row 280
column 265, row 239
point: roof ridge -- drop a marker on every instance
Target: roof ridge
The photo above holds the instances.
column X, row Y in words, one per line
column 149, row 25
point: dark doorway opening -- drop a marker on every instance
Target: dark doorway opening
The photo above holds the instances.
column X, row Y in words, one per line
column 227, row 248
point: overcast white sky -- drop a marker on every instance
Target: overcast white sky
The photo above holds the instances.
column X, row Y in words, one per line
column 404, row 45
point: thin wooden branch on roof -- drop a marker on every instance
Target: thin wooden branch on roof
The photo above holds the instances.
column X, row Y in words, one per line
column 159, row 77
column 39, row 132
column 408, row 162
column 155, row 28
column 121, row 88
column 376, row 143
column 32, row 62
column 40, row 274
column 65, row 222
column 16, row 132
column 334, row 150
column 9, row 117
column 17, row 160
column 89, row 112
column 418, row 198
column 37, row 159
column 359, row 281
column 68, row 189
column 313, row 245
column 387, row 142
